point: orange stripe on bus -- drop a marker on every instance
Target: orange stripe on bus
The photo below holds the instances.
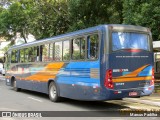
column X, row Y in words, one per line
column 135, row 73
column 50, row 71
column 131, row 79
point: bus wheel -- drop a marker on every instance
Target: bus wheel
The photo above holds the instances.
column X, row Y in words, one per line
column 53, row 93
column 15, row 86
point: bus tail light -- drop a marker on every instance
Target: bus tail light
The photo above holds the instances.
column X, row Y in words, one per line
column 108, row 79
column 152, row 81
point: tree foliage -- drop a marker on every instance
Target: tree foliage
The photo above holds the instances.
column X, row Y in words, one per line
column 42, row 18
column 14, row 19
column 50, row 18
column 46, row 18
column 87, row 13
column 144, row 13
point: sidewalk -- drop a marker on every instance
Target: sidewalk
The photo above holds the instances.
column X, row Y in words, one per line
column 153, row 99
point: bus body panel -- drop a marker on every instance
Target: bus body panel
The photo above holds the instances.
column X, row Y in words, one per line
column 124, row 85
column 131, row 71
column 84, row 79
column 81, row 77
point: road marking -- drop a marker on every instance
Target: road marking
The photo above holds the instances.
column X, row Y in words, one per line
column 35, row 99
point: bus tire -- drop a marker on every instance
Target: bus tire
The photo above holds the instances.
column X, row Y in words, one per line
column 15, row 86
column 53, row 92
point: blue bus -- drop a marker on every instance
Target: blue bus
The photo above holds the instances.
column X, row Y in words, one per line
column 104, row 62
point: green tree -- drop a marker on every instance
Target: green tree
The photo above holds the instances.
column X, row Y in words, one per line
column 15, row 19
column 87, row 13
column 46, row 18
column 50, row 18
column 144, row 13
column 42, row 18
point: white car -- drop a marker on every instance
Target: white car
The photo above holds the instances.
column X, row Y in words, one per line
column 3, row 72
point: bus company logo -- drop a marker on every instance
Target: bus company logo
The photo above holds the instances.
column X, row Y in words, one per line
column 120, row 70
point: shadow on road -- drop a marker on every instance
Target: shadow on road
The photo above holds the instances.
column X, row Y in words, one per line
column 95, row 105
column 87, row 105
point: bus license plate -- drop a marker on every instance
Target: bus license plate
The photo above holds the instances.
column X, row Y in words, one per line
column 133, row 93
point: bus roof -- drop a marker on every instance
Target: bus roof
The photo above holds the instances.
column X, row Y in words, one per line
column 80, row 32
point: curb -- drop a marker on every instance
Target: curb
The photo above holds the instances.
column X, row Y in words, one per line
column 148, row 102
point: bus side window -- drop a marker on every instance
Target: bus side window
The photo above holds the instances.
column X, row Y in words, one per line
column 51, row 52
column 45, row 52
column 7, row 61
column 66, row 51
column 22, row 55
column 58, row 51
column 32, row 55
column 26, row 54
column 76, row 49
column 18, row 56
column 82, row 48
column 92, row 47
column 40, row 53
column 14, row 56
column 37, row 57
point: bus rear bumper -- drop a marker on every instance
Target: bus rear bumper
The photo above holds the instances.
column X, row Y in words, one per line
column 87, row 93
column 130, row 93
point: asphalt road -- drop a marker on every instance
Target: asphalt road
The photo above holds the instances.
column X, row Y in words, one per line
column 34, row 101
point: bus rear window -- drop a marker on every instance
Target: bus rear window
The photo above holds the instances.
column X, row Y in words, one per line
column 129, row 40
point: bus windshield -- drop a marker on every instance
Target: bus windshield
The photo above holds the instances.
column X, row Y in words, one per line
column 129, row 40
